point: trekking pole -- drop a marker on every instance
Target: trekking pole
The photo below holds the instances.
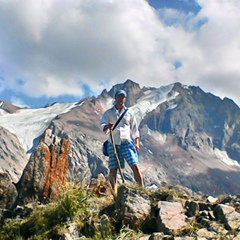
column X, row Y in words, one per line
column 116, row 155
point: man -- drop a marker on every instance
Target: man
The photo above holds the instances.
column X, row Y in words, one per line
column 126, row 137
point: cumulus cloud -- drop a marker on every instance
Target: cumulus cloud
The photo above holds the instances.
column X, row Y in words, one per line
column 52, row 48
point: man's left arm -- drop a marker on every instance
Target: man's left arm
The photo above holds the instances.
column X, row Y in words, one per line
column 135, row 132
column 137, row 143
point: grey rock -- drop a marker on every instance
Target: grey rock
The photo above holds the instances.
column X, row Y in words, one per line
column 205, row 206
column 204, row 233
column 13, row 157
column 171, row 217
column 221, row 210
column 133, row 206
column 72, row 234
column 157, row 236
column 192, row 208
column 228, row 216
column 218, row 228
column 211, row 199
column 8, row 191
column 233, row 221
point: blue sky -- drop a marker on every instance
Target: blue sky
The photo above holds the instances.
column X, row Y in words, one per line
column 62, row 51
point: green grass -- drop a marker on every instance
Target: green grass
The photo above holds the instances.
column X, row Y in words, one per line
column 74, row 205
column 94, row 217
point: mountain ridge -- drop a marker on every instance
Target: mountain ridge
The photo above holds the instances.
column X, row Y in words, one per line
column 181, row 127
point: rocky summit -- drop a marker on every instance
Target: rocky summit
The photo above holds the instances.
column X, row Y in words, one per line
column 134, row 213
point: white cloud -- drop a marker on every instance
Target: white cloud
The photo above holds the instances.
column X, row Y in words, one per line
column 55, row 47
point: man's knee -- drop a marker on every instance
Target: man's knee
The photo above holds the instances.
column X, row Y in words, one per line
column 135, row 168
column 113, row 171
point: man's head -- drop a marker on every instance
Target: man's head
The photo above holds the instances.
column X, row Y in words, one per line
column 120, row 97
column 119, row 92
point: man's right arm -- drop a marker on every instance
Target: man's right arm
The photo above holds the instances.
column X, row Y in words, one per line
column 105, row 123
column 107, row 126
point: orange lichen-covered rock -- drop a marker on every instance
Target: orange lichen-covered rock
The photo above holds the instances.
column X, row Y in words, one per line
column 56, row 169
column 46, row 171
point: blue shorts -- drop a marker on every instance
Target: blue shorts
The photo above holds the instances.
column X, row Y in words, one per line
column 125, row 151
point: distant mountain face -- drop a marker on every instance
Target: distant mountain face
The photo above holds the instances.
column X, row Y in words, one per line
column 7, row 107
column 13, row 158
column 195, row 117
column 188, row 137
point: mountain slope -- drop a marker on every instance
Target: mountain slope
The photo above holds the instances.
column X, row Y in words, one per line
column 188, row 137
column 12, row 155
column 197, row 114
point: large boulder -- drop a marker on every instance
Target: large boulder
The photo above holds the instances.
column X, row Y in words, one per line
column 8, row 191
column 228, row 216
column 171, row 217
column 133, row 206
column 46, row 171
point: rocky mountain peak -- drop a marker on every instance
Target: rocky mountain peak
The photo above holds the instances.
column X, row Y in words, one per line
column 8, row 107
column 132, row 89
column 195, row 114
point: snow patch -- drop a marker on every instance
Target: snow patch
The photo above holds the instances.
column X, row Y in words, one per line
column 222, row 155
column 159, row 137
column 152, row 186
column 172, row 107
column 107, row 103
column 150, row 151
column 2, row 112
column 29, row 124
column 186, row 86
column 151, row 100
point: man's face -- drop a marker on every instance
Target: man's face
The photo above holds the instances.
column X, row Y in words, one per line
column 120, row 99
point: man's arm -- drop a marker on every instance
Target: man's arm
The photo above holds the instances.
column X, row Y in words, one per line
column 135, row 132
column 137, row 143
column 107, row 126
column 105, row 122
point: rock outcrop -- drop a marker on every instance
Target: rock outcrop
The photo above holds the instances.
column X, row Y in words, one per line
column 177, row 215
column 171, row 217
column 46, row 171
column 165, row 213
column 133, row 206
column 13, row 157
column 8, row 191
column 8, row 107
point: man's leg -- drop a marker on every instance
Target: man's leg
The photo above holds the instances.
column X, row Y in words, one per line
column 113, row 178
column 137, row 175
